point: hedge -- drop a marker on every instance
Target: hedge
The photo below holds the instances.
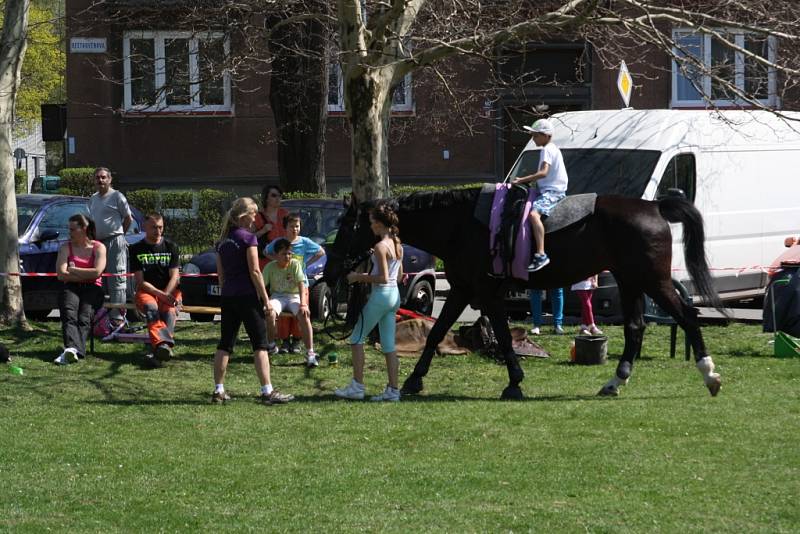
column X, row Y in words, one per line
column 77, row 181
column 193, row 225
column 20, row 181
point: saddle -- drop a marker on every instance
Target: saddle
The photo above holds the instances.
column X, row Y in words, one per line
column 504, row 210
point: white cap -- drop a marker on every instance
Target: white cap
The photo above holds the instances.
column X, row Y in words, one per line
column 543, row 126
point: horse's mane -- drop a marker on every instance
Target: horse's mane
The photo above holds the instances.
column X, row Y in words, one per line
column 425, row 200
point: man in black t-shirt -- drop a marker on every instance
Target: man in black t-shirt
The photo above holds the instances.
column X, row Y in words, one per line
column 154, row 262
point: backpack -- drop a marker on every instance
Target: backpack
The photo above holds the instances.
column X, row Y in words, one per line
column 103, row 327
column 479, row 337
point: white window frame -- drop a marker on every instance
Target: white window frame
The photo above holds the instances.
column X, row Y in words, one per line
column 739, row 69
column 159, row 37
column 407, row 106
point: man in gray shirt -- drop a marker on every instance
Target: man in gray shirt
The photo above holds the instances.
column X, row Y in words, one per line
column 112, row 217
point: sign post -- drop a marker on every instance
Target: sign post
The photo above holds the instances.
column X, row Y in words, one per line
column 625, row 84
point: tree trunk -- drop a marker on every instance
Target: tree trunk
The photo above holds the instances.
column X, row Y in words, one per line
column 12, row 52
column 299, row 100
column 368, row 105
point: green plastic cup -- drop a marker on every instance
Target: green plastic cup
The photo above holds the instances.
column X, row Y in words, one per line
column 333, row 358
column 14, row 370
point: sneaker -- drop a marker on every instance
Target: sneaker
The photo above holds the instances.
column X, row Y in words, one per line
column 595, row 331
column 353, row 391
column 535, row 331
column 538, row 262
column 285, row 347
column 272, row 348
column 311, row 359
column 389, row 394
column 69, row 355
column 275, row 397
column 557, row 330
column 584, row 331
column 220, row 397
column 294, row 346
column 163, row 352
column 151, row 362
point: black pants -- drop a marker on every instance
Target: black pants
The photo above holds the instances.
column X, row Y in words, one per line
column 77, row 304
column 237, row 310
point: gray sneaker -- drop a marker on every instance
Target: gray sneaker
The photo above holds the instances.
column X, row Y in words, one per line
column 276, row 397
column 557, row 330
column 389, row 394
column 353, row 391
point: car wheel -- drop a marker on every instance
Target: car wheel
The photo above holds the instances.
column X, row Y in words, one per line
column 320, row 300
column 420, row 299
column 201, row 317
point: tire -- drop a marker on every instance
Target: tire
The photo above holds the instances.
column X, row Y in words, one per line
column 420, row 298
column 320, row 301
column 201, row 317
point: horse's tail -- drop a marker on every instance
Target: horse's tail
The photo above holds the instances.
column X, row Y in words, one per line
column 676, row 209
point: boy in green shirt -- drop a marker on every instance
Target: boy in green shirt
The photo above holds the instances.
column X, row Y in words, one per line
column 284, row 277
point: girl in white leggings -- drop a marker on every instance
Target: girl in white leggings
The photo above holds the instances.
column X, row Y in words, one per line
column 381, row 306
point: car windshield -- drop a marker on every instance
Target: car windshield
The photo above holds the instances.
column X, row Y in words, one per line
column 601, row 171
column 25, row 213
column 316, row 222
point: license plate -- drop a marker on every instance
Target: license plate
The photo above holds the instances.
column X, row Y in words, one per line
column 213, row 290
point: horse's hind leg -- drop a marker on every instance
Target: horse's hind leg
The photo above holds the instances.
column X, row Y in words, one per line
column 456, row 301
column 686, row 317
column 632, row 301
column 496, row 310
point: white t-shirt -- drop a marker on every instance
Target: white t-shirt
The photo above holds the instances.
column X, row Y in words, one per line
column 556, row 179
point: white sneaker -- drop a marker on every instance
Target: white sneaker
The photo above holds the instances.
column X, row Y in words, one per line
column 69, row 355
column 389, row 394
column 311, row 359
column 535, row 330
column 353, row 391
column 584, row 331
column 595, row 331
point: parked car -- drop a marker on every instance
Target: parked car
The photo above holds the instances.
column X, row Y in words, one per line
column 42, row 221
column 320, row 222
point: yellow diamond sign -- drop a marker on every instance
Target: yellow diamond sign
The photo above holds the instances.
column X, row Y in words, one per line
column 625, row 83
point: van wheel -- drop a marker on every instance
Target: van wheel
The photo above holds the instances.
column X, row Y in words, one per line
column 320, row 301
column 201, row 317
column 420, row 299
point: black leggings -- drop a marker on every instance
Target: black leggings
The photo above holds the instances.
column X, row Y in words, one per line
column 77, row 304
column 237, row 310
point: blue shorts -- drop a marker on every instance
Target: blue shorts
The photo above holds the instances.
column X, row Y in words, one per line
column 546, row 201
column 380, row 309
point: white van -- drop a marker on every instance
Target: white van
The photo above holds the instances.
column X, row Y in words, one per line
column 740, row 168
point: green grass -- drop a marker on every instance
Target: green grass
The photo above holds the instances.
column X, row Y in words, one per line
column 105, row 446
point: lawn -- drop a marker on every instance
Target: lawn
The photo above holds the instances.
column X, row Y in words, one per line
column 106, row 446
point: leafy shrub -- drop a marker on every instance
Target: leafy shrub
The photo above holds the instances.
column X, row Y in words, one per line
column 191, row 219
column 77, row 181
column 397, row 190
column 20, row 181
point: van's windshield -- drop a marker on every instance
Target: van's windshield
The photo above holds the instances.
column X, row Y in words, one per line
column 599, row 170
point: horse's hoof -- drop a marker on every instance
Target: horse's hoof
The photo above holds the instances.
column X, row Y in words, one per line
column 512, row 393
column 608, row 391
column 411, row 386
column 714, row 386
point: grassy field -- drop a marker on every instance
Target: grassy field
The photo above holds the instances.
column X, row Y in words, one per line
column 106, row 446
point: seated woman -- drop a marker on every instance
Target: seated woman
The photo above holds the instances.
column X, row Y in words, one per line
column 80, row 262
column 284, row 277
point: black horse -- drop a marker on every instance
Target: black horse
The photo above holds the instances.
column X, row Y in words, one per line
column 627, row 236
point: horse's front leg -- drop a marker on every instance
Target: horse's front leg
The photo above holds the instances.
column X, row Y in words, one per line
column 633, row 317
column 455, row 303
column 496, row 310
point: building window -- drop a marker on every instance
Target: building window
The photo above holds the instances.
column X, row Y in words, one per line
column 691, row 82
column 401, row 98
column 176, row 71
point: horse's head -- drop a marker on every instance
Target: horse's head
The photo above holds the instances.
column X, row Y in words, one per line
column 353, row 239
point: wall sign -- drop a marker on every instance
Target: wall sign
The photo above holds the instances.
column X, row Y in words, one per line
column 87, row 45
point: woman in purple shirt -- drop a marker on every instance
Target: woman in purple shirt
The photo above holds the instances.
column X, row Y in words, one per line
column 244, row 299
